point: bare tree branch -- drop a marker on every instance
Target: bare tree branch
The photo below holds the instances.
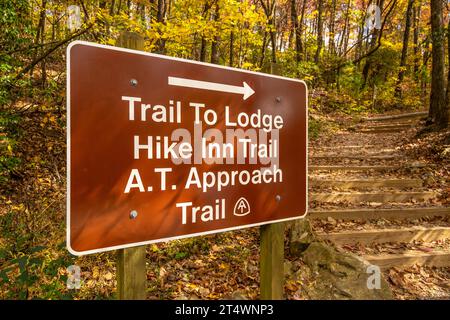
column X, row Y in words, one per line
column 49, row 52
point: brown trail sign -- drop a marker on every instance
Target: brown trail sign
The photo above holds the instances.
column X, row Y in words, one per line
column 163, row 148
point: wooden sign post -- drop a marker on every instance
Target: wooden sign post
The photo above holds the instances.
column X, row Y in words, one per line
column 131, row 269
column 131, row 273
column 272, row 253
column 272, row 261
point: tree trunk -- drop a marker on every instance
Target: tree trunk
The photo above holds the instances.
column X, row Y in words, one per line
column 448, row 74
column 298, row 36
column 416, row 21
column 161, row 44
column 263, row 51
column 204, row 43
column 273, row 39
column 359, row 44
column 294, row 22
column 43, row 63
column 39, row 28
column 319, row 31
column 160, row 11
column 216, row 39
column 40, row 39
column 231, row 48
column 438, row 110
column 297, row 33
column 423, row 78
column 111, row 8
column 203, row 49
column 401, row 73
column 331, row 44
column 269, row 11
column 343, row 43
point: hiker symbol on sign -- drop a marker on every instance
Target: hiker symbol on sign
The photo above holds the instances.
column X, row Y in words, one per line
column 241, row 208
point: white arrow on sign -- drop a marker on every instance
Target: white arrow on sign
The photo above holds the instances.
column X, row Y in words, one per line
column 245, row 90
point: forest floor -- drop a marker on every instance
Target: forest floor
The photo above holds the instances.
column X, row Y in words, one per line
column 33, row 257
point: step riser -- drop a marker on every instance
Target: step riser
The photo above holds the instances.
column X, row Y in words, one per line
column 352, row 168
column 415, row 115
column 366, row 184
column 385, row 127
column 385, row 262
column 358, row 198
column 362, row 157
column 364, row 215
column 362, row 168
column 383, row 236
column 382, row 131
column 352, row 147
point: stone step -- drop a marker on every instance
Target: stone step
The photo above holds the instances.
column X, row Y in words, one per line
column 365, row 168
column 354, row 157
column 388, row 235
column 435, row 258
column 368, row 214
column 354, row 153
column 365, row 183
column 400, row 122
column 358, row 197
column 413, row 115
column 351, row 168
column 383, row 130
column 343, row 147
column 388, row 126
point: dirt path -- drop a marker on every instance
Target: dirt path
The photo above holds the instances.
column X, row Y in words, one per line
column 370, row 198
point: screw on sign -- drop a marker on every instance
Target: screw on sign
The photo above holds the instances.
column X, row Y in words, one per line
column 163, row 148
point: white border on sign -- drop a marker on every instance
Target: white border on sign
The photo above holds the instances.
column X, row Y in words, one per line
column 135, row 244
